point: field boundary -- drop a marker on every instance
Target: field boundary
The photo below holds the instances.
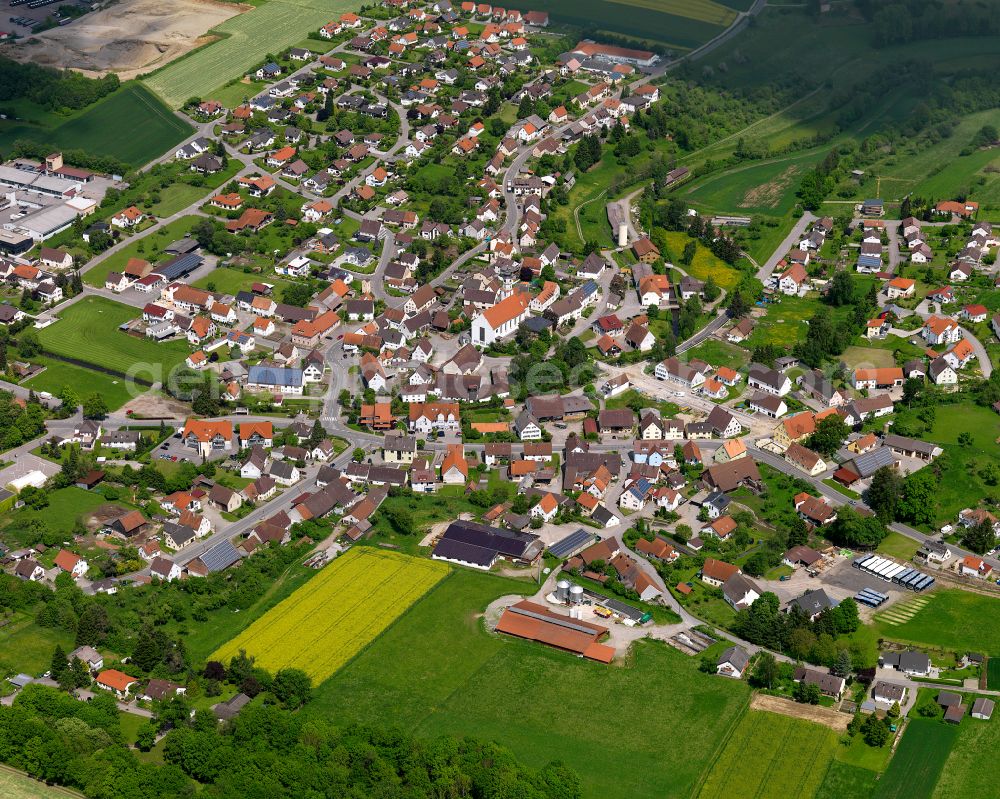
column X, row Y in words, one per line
column 57, row 788
column 723, row 742
column 817, row 714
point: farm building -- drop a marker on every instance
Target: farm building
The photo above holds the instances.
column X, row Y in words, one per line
column 537, row 623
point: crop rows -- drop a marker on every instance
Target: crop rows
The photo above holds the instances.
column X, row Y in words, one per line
column 268, row 28
column 332, row 617
column 703, row 10
column 766, row 758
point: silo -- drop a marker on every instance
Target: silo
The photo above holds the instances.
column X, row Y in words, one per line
column 576, row 595
column 562, row 590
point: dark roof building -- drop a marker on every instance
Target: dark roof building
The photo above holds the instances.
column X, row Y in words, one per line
column 480, row 546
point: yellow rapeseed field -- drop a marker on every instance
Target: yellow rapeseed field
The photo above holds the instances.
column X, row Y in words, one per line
column 332, row 617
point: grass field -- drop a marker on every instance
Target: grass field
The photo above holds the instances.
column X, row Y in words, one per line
column 843, row 781
column 952, row 619
column 15, row 785
column 966, row 771
column 26, row 647
column 767, row 187
column 231, row 281
column 108, row 127
column 66, row 505
column 919, row 759
column 88, row 331
column 341, row 611
column 149, row 248
column 705, row 262
column 993, row 673
column 59, row 374
column 899, row 546
column 770, row 755
column 961, row 484
column 437, row 671
column 785, row 323
column 267, row 28
column 719, row 353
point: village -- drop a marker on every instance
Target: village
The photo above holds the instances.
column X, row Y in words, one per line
column 356, row 331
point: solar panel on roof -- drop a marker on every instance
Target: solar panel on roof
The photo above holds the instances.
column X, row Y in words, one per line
column 221, row 556
column 565, row 547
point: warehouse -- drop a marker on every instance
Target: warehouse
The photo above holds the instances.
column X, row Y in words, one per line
column 479, row 546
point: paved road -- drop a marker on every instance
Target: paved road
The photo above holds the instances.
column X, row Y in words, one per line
column 789, row 242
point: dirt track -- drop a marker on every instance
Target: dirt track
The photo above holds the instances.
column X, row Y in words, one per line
column 130, row 38
column 826, row 716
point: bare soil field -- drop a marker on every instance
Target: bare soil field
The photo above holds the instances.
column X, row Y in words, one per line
column 130, row 38
column 815, row 713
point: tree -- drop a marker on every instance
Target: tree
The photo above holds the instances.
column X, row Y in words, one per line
column 145, row 738
column 830, row 433
column 806, row 693
column 980, row 538
column 28, row 343
column 94, row 407
column 81, row 674
column 292, row 687
column 690, row 249
column 884, row 493
column 59, row 663
column 711, row 290
column 841, row 290
column 851, row 529
column 918, row 502
column 358, row 454
column 842, row 666
column 766, row 670
column 874, row 731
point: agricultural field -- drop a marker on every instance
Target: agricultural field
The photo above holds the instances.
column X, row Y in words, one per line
column 247, row 38
column 918, row 761
column 438, row 671
column 680, row 24
column 965, row 772
column 952, row 619
column 993, row 673
column 766, row 187
column 87, row 331
column 107, row 127
column 843, row 781
column 769, row 755
column 338, row 614
column 16, row 785
column 705, row 262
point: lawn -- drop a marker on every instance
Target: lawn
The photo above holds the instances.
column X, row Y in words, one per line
column 149, row 247
column 967, row 771
column 248, row 38
column 769, row 755
column 15, row 785
column 26, row 647
column 108, row 127
column 422, row 511
column 962, row 485
column 705, row 262
column 66, row 506
column 87, row 331
column 952, row 619
column 899, row 546
column 177, row 197
column 321, row 627
column 914, row 769
column 231, row 281
column 786, row 321
column 719, row 353
column 630, row 397
column 59, row 374
column 437, row 671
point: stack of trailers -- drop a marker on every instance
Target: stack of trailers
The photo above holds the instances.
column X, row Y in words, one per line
column 871, row 597
column 892, row 572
